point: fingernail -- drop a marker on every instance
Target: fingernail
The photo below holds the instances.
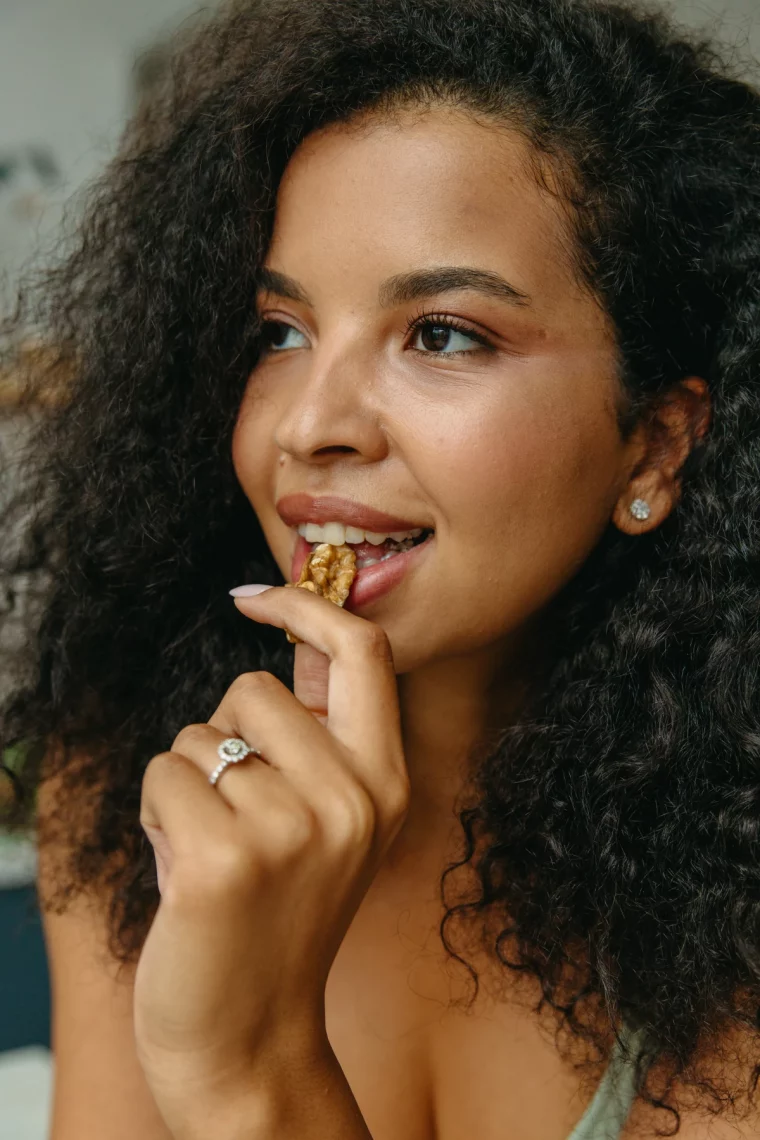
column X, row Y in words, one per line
column 248, row 591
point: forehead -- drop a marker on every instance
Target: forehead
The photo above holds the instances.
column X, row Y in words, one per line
column 422, row 187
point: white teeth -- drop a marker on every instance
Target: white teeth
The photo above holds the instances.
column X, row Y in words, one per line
column 336, row 534
column 313, row 532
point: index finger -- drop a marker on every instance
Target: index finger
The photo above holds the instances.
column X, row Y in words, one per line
column 362, row 694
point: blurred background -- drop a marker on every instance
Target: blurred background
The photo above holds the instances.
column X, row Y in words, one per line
column 71, row 73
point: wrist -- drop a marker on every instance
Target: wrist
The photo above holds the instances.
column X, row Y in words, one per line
column 240, row 1116
column 293, row 1093
column 311, row 1102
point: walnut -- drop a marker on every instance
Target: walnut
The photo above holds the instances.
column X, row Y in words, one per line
column 328, row 571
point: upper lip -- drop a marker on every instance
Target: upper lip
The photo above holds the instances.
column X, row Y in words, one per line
column 302, row 508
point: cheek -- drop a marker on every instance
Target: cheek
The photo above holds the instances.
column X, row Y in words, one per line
column 254, row 459
column 522, row 464
column 526, row 493
column 252, row 451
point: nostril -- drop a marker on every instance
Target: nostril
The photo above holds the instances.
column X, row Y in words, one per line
column 338, row 448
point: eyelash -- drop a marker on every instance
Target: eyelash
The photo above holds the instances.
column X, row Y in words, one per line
column 446, row 321
column 432, row 320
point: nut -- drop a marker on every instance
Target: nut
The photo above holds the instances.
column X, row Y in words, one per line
column 328, row 571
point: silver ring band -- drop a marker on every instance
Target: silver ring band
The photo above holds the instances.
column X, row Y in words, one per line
column 230, row 751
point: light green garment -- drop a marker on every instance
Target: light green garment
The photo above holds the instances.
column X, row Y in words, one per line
column 607, row 1113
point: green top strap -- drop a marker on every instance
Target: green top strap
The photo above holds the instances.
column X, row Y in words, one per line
column 605, row 1117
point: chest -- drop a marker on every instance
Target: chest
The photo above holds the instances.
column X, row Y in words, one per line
column 424, row 1066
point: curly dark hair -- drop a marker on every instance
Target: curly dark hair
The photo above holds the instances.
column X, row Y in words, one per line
column 615, row 826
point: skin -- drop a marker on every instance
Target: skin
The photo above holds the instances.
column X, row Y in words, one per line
column 522, row 438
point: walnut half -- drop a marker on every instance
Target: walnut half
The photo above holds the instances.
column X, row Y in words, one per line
column 328, row 571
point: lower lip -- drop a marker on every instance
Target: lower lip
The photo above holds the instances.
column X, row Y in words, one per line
column 371, row 582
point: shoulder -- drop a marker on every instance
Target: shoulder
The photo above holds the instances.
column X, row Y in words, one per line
column 99, row 1086
column 75, row 916
column 99, row 1089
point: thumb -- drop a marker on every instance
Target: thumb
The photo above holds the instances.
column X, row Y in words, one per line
column 310, row 679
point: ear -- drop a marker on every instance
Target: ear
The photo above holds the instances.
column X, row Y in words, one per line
column 660, row 445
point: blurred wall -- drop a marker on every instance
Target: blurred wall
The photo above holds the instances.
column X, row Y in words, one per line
column 65, row 70
column 66, row 87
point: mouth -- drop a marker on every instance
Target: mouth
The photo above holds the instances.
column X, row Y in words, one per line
column 382, row 561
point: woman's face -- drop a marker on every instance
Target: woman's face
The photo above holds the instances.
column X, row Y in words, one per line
column 482, row 406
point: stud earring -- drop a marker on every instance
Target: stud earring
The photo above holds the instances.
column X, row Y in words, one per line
column 640, row 509
column 282, row 461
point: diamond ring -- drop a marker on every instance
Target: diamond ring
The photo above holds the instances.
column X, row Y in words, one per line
column 230, row 751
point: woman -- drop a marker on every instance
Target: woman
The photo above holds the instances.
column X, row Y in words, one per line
column 482, row 277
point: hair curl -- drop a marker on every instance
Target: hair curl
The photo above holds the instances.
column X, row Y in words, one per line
column 615, row 827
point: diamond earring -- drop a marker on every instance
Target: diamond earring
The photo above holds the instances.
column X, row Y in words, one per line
column 640, row 509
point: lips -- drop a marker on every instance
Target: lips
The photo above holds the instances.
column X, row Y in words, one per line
column 302, row 508
column 374, row 582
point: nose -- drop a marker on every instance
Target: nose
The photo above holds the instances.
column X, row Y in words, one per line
column 332, row 411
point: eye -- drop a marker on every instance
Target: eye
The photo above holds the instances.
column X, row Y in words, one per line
column 276, row 336
column 443, row 335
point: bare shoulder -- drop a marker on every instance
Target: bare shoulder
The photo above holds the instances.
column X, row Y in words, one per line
column 100, row 1091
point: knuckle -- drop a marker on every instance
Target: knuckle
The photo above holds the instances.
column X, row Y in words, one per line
column 249, row 685
column 295, row 830
column 190, row 737
column 157, row 779
column 397, row 801
column 372, row 641
column 158, row 766
column 353, row 818
column 229, row 868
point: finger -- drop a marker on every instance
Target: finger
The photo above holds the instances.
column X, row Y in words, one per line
column 202, row 824
column 362, row 696
column 178, row 801
column 311, row 676
column 208, row 852
column 250, row 779
column 261, row 710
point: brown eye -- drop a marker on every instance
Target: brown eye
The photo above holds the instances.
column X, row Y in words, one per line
column 435, row 338
column 446, row 337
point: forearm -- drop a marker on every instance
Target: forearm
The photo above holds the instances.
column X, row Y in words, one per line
column 314, row 1104
column 305, row 1100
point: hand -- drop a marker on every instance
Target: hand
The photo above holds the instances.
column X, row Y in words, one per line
column 261, row 876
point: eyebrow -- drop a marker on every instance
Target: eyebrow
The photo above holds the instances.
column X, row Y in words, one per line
column 413, row 286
